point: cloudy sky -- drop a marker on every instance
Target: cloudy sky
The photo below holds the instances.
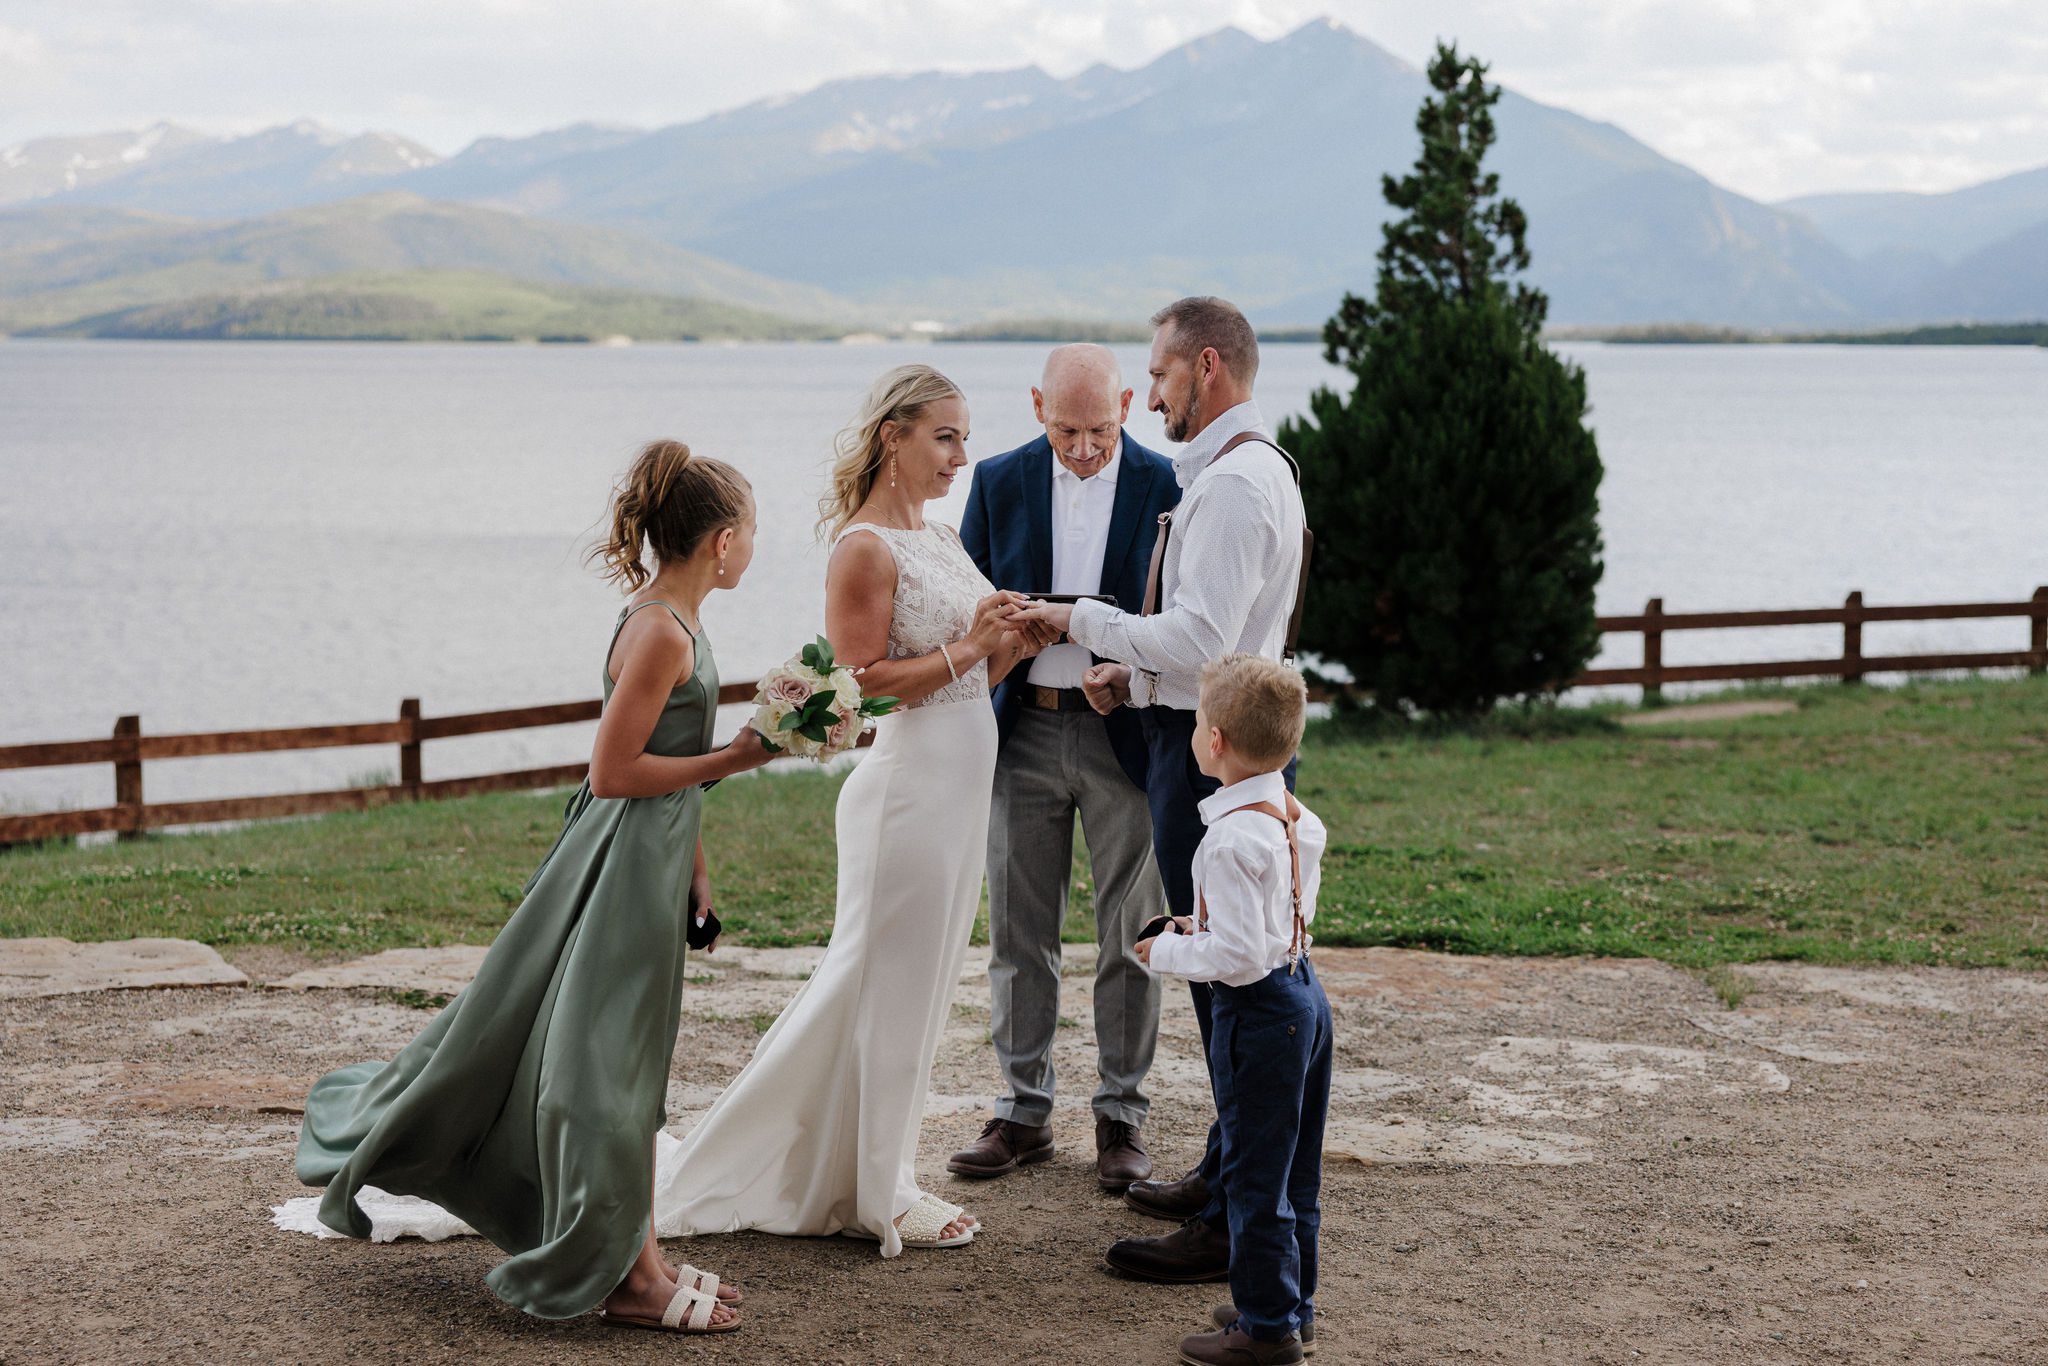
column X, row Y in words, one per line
column 1770, row 97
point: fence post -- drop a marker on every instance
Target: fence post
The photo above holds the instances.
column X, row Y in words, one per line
column 1653, row 651
column 1852, row 638
column 409, row 747
column 2039, row 643
column 128, row 775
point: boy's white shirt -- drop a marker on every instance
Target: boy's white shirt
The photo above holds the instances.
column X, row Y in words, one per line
column 1243, row 872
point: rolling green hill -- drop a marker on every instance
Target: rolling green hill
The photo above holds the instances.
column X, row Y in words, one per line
column 64, row 264
column 436, row 306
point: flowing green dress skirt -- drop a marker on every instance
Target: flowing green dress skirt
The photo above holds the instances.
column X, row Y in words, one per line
column 529, row 1106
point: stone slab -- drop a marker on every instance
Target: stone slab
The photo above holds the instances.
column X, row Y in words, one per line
column 1951, row 991
column 444, row 971
column 1538, row 1078
column 58, row 967
column 1398, row 1141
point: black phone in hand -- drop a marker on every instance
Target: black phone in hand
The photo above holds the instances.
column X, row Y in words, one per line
column 695, row 935
column 1158, row 925
column 700, row 936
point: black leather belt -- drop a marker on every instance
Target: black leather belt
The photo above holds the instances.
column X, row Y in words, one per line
column 1056, row 699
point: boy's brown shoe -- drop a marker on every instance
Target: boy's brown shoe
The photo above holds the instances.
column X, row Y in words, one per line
column 1004, row 1146
column 1193, row 1252
column 1182, row 1199
column 1226, row 1314
column 1235, row 1347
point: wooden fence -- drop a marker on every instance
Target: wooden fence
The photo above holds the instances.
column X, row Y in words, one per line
column 127, row 749
column 1851, row 666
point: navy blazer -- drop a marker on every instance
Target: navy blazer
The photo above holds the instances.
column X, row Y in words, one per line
column 1008, row 532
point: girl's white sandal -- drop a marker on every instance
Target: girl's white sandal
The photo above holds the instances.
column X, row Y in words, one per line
column 688, row 1311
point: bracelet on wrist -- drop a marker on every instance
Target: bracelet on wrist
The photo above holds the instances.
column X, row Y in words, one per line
column 947, row 651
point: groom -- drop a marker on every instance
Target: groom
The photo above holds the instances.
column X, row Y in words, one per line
column 1071, row 512
column 1227, row 582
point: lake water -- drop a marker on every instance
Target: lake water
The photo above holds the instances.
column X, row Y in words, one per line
column 224, row 536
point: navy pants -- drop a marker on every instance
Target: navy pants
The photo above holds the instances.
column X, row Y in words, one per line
column 1269, row 1060
column 1174, row 789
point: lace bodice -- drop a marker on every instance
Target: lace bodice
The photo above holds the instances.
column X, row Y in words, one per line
column 937, row 589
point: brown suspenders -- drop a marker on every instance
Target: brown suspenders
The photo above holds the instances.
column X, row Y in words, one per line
column 1154, row 575
column 1286, row 818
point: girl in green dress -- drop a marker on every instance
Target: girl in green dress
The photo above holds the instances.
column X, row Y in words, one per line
column 529, row 1106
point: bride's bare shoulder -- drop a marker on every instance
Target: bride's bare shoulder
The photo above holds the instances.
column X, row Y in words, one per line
column 861, row 561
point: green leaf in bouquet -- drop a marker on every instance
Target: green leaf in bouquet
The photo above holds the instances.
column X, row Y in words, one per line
column 879, row 706
column 818, row 656
column 790, row 722
column 817, row 710
column 770, row 745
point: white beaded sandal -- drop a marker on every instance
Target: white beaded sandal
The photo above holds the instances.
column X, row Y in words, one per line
column 927, row 1219
column 924, row 1221
column 688, row 1312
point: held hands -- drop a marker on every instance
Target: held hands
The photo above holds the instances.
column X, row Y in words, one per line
column 1108, row 686
column 1033, row 637
column 994, row 618
column 1059, row 616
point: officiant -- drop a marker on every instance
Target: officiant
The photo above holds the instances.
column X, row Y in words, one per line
column 1073, row 512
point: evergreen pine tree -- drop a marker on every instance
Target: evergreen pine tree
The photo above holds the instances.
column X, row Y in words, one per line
column 1456, row 491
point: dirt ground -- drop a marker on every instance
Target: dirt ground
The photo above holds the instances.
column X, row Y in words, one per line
column 1530, row 1161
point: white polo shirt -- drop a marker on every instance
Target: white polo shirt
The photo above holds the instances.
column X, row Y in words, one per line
column 1081, row 509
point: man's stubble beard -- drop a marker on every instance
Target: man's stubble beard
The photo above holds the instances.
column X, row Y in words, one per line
column 1178, row 431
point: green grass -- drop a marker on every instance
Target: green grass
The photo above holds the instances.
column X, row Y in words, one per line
column 1870, row 826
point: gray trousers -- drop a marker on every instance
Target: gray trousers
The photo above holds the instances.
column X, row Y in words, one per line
column 1053, row 764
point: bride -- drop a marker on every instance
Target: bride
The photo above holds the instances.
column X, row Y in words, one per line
column 818, row 1133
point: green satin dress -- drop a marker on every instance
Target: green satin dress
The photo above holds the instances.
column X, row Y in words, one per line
column 528, row 1107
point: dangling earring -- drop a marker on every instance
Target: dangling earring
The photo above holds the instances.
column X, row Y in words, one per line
column 721, row 566
column 892, row 471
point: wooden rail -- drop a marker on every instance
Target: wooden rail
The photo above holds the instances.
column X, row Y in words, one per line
column 1851, row 666
column 128, row 748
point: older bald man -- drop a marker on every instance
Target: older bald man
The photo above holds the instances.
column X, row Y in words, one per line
column 1073, row 512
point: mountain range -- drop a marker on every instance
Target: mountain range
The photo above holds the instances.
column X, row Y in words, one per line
column 1231, row 165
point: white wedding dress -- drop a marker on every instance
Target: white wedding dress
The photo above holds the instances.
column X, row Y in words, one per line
column 818, row 1133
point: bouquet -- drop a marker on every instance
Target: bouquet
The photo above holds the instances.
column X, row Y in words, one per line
column 812, row 707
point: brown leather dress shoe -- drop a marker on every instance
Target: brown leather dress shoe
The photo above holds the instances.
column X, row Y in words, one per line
column 1193, row 1252
column 1004, row 1146
column 1234, row 1347
column 1226, row 1315
column 1182, row 1199
column 1119, row 1155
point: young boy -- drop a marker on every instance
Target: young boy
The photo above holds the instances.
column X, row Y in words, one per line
column 1256, row 875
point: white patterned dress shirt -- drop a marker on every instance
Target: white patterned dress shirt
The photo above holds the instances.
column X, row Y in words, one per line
column 1245, row 877
column 1081, row 509
column 1232, row 565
